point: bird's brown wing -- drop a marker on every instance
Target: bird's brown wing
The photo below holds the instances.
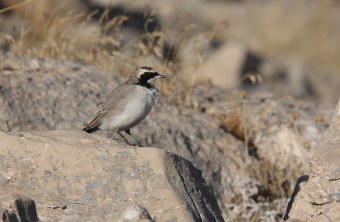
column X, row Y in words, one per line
column 114, row 104
column 95, row 121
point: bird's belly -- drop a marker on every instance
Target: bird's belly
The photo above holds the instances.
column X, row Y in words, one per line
column 135, row 111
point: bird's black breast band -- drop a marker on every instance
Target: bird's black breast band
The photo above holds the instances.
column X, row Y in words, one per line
column 143, row 80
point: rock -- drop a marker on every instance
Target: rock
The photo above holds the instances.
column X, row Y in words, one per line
column 69, row 177
column 6, row 41
column 226, row 65
column 229, row 65
column 252, row 147
column 49, row 79
column 24, row 209
column 284, row 76
column 292, row 77
column 318, row 198
column 184, row 179
column 9, row 215
column 277, row 139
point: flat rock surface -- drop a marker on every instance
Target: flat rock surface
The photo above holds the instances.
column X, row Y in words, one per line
column 69, row 173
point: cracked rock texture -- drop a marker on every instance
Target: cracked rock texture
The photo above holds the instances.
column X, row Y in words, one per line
column 317, row 196
column 252, row 147
column 70, row 175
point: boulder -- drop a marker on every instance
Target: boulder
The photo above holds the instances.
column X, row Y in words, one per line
column 230, row 65
column 291, row 76
column 71, row 174
column 316, row 196
column 226, row 66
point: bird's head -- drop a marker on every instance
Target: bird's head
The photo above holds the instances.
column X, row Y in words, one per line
column 145, row 75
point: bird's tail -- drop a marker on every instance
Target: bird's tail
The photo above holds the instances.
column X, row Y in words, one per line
column 91, row 129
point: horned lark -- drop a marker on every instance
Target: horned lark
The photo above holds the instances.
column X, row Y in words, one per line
column 128, row 104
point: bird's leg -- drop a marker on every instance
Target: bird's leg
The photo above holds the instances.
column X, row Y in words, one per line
column 129, row 132
column 121, row 135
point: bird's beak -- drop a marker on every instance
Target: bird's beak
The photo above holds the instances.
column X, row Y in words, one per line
column 159, row 76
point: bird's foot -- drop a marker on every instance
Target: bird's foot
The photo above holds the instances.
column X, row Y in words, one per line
column 129, row 133
column 127, row 141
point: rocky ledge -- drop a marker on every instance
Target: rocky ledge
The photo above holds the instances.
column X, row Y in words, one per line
column 316, row 197
column 73, row 176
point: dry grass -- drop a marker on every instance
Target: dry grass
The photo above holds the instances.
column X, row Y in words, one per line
column 68, row 34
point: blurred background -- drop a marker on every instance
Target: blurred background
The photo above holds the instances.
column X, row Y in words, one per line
column 287, row 48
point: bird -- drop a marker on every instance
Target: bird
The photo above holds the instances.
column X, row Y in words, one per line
column 128, row 104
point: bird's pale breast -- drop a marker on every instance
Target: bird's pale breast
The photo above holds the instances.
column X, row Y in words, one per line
column 137, row 106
